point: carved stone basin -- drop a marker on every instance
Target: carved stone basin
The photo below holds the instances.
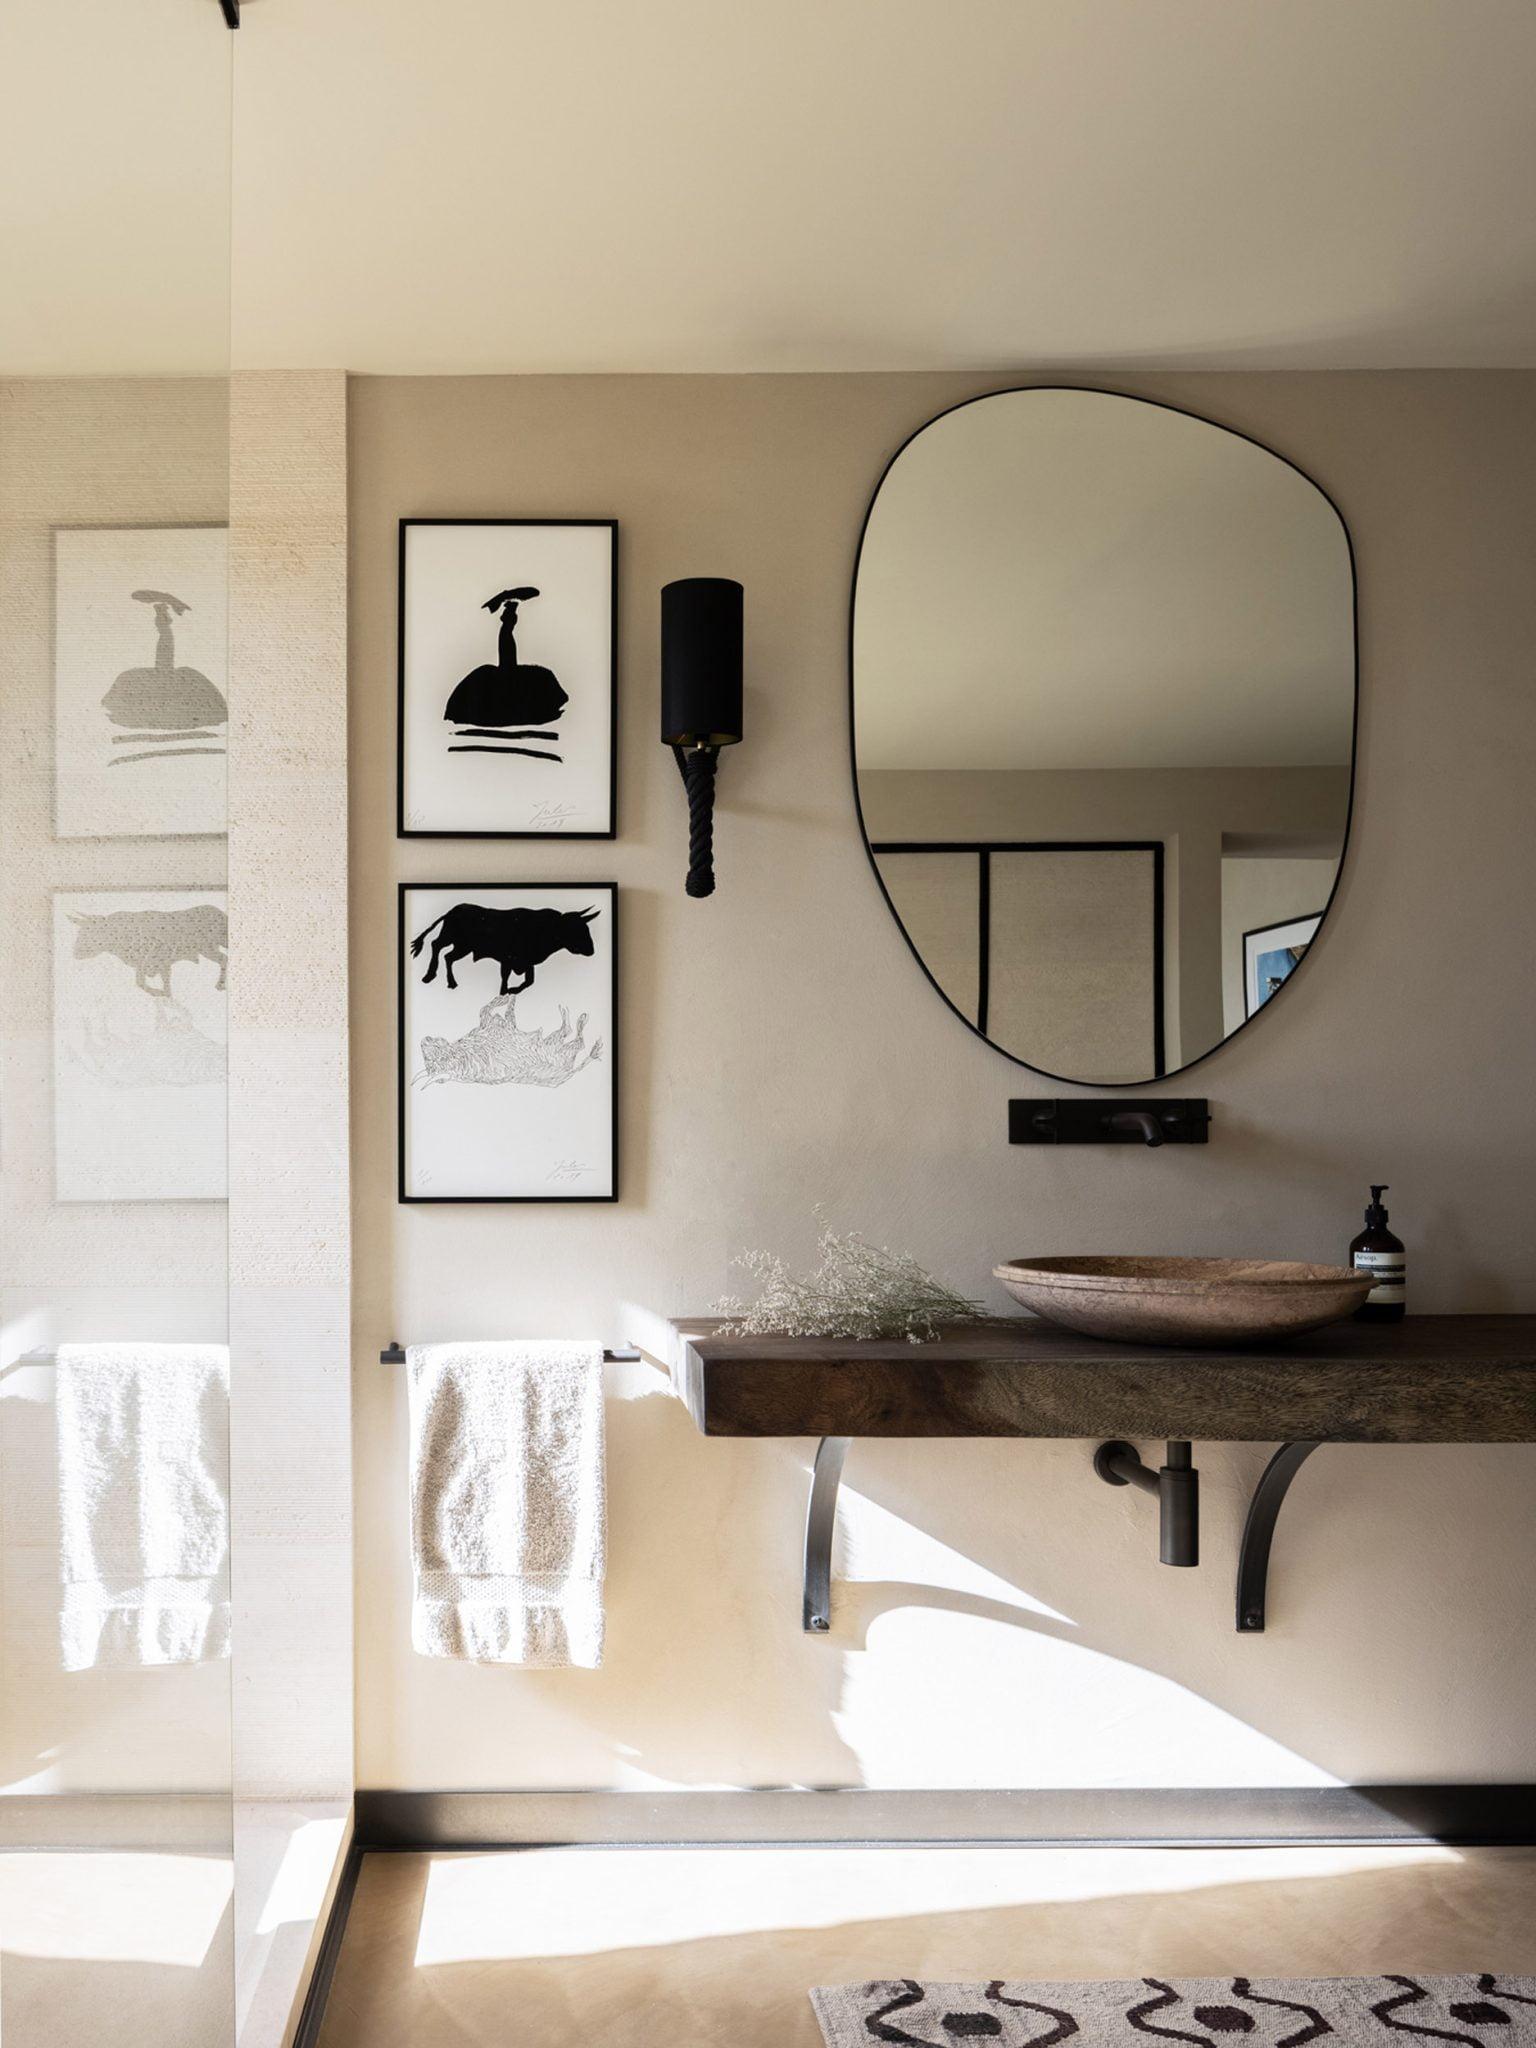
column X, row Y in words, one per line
column 1206, row 1303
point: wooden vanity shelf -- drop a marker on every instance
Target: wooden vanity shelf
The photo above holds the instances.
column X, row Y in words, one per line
column 1426, row 1380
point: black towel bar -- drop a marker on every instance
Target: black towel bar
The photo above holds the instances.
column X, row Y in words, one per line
column 394, row 1354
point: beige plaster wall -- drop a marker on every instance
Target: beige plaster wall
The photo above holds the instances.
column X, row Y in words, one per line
column 1008, row 1623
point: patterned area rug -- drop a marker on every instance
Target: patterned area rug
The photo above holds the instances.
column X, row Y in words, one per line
column 1203, row 2012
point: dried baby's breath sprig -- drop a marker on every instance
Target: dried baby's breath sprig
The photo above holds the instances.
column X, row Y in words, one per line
column 859, row 1289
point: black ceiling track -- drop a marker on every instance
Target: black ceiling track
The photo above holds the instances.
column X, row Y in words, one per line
column 231, row 12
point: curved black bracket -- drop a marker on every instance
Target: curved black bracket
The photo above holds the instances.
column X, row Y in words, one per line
column 1259, row 1531
column 1177, row 1486
column 820, row 1522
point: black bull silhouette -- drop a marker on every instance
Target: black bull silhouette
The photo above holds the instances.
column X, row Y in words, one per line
column 517, row 940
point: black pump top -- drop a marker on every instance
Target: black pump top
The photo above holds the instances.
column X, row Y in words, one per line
column 1376, row 1213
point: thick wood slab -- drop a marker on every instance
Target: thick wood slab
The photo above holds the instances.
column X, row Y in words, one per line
column 1427, row 1380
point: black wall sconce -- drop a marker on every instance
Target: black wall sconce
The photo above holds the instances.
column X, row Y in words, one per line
column 700, row 700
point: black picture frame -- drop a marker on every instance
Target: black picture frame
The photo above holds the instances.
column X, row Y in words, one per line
column 405, row 831
column 983, row 850
column 404, row 891
column 1187, row 412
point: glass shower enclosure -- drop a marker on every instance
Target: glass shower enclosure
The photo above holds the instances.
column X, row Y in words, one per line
column 117, row 1915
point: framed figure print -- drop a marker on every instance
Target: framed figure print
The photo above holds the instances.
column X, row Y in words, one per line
column 508, row 1077
column 140, row 670
column 507, row 678
column 1271, row 955
column 139, row 1032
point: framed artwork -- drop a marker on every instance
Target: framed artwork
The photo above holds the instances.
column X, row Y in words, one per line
column 507, row 681
column 140, row 1032
column 1271, row 954
column 140, row 672
column 508, row 1072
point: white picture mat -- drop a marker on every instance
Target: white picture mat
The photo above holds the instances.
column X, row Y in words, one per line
column 119, row 1137
column 450, row 572
column 465, row 1140
column 100, row 630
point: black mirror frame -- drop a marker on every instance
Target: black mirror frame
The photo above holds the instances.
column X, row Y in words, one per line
column 1006, row 391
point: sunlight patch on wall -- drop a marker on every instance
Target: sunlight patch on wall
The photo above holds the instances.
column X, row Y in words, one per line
column 1036, row 1710
column 873, row 1544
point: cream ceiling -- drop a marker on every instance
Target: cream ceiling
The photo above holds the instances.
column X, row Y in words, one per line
column 481, row 185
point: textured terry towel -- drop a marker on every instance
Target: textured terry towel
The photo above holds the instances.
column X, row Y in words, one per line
column 507, row 1502
column 143, row 1443
column 1209, row 2012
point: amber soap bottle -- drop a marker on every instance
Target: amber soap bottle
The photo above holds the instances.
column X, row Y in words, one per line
column 1377, row 1252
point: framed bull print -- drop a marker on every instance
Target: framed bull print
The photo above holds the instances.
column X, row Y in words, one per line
column 140, row 1031
column 140, row 674
column 507, row 678
column 508, row 1072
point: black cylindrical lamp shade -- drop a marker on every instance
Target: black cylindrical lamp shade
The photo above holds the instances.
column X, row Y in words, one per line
column 701, row 662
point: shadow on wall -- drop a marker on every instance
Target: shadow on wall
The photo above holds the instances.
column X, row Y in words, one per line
column 1006, row 1621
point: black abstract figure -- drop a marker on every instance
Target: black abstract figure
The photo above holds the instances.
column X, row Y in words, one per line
column 1138, row 2015
column 151, row 942
column 1414, row 1994
column 1063, row 2029
column 496, row 704
column 881, row 2027
column 164, row 704
column 1313, row 2025
column 517, row 940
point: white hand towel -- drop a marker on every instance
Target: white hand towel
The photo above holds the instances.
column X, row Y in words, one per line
column 143, row 1444
column 507, row 1502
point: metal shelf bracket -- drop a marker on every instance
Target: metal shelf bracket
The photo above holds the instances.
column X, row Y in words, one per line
column 1259, row 1532
column 820, row 1522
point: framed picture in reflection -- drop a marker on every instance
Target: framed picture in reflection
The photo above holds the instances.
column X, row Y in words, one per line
column 140, row 672
column 140, row 1027
column 1271, row 955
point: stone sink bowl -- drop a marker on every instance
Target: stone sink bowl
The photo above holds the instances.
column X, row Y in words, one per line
column 1204, row 1303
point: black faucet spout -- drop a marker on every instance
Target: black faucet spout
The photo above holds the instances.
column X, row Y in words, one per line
column 1141, row 1120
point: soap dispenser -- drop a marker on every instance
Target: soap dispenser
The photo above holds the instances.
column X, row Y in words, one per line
column 1376, row 1251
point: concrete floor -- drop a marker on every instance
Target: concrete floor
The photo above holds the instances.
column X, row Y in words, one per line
column 651, row 1948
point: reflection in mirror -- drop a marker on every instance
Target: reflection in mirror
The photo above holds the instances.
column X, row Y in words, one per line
column 1103, row 718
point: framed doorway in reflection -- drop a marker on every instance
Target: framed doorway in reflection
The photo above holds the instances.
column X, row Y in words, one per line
column 1058, row 944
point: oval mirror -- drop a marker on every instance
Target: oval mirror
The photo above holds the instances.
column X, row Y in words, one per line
column 1103, row 706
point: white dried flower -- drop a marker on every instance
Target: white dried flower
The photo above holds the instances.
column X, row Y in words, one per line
column 858, row 1290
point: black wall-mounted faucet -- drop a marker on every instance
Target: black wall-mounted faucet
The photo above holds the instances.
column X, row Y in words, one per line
column 1085, row 1120
column 1140, row 1120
